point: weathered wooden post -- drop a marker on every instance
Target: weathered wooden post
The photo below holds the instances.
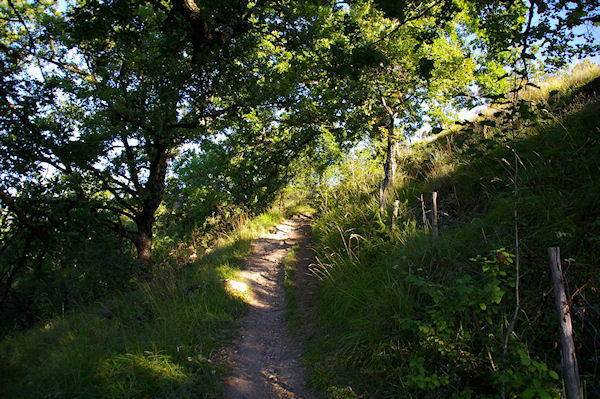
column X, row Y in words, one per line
column 395, row 214
column 569, row 359
column 435, row 218
column 381, row 199
column 425, row 225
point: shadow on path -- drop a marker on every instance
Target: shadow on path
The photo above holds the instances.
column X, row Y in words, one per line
column 265, row 359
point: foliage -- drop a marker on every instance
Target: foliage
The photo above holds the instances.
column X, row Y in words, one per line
column 289, row 282
column 398, row 317
column 162, row 339
column 519, row 29
column 98, row 100
column 46, row 275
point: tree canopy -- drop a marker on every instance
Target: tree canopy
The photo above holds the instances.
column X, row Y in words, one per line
column 98, row 98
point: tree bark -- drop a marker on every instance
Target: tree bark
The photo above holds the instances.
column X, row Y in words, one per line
column 389, row 168
column 434, row 223
column 152, row 193
column 395, row 214
column 142, row 240
column 143, row 245
column 569, row 359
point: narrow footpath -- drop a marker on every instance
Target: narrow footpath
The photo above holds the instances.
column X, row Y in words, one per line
column 265, row 358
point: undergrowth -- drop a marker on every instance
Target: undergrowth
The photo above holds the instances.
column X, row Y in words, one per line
column 289, row 282
column 160, row 340
column 401, row 318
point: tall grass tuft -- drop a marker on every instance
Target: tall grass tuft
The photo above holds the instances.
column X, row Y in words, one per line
column 161, row 340
column 399, row 317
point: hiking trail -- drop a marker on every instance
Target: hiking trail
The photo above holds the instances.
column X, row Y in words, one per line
column 264, row 359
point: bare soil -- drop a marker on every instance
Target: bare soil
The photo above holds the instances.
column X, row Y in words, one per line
column 265, row 357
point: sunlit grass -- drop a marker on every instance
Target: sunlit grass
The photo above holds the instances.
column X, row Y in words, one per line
column 378, row 335
column 563, row 84
column 162, row 340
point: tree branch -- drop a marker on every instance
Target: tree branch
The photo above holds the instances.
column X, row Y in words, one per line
column 17, row 210
column 29, row 36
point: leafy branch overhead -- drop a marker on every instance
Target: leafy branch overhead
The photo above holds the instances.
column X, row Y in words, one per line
column 136, row 134
column 98, row 98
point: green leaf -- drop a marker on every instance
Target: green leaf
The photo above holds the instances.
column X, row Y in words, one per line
column 528, row 393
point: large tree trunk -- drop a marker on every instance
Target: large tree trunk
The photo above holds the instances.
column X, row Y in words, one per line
column 143, row 245
column 152, row 192
column 142, row 240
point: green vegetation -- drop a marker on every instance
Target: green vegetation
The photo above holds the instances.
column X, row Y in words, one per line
column 399, row 317
column 290, row 266
column 139, row 140
column 160, row 340
column 289, row 282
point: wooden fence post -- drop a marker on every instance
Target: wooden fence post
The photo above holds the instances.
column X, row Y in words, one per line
column 425, row 224
column 569, row 359
column 395, row 214
column 435, row 218
column 381, row 199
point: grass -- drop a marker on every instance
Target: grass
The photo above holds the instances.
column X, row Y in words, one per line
column 161, row 340
column 399, row 318
column 289, row 273
column 289, row 282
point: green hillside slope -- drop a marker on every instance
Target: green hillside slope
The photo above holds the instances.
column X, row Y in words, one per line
column 402, row 318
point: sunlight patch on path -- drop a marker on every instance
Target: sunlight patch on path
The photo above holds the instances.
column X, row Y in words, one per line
column 265, row 360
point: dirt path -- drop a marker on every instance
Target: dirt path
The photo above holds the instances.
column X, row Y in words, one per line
column 265, row 359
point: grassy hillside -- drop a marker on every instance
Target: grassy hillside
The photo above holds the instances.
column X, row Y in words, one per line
column 161, row 340
column 400, row 318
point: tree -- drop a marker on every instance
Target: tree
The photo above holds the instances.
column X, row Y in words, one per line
column 129, row 82
column 401, row 70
